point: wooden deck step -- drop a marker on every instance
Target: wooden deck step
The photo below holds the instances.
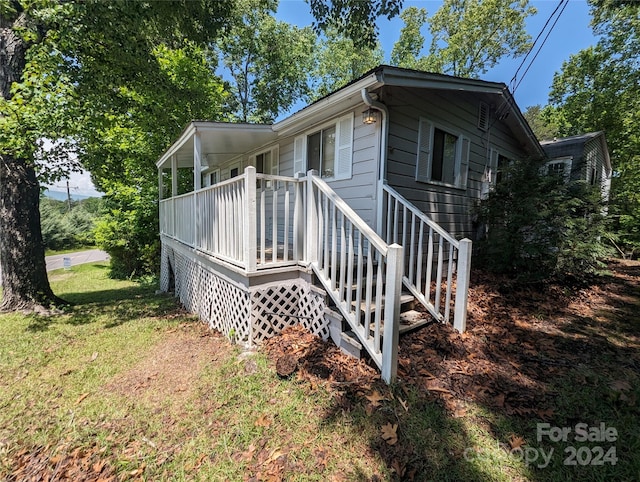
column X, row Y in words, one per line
column 405, row 299
column 412, row 320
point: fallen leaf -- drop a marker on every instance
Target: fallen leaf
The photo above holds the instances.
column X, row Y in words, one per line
column 404, row 404
column 499, row 400
column 515, row 441
column 399, row 467
column 545, row 414
column 262, row 421
column 375, row 398
column 459, row 412
column 432, row 385
column 389, row 433
column 94, row 356
column 82, row 397
column 620, row 385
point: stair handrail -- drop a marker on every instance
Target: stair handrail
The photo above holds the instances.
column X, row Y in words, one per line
column 421, row 215
column 353, row 217
column 383, row 344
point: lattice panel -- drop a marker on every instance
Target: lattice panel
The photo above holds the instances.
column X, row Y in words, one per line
column 311, row 311
column 273, row 308
column 179, row 266
column 165, row 268
column 189, row 292
column 224, row 306
column 276, row 307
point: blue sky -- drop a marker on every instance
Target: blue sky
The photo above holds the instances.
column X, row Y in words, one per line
column 571, row 34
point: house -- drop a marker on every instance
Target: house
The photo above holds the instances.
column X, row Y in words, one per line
column 584, row 157
column 344, row 216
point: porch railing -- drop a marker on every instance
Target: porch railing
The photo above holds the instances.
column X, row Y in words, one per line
column 253, row 221
column 436, row 265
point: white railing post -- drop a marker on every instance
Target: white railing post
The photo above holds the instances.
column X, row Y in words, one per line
column 395, row 262
column 462, row 285
column 298, row 220
column 249, row 229
column 312, row 221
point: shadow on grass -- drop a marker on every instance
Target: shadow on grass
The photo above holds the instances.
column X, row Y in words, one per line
column 113, row 307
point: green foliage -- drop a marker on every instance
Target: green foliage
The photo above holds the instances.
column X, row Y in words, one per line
column 356, row 19
column 540, row 227
column 542, row 121
column 66, row 229
column 406, row 51
column 129, row 231
column 468, row 37
column 599, row 89
column 268, row 61
column 339, row 61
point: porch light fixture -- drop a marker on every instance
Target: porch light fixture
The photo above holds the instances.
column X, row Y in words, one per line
column 369, row 116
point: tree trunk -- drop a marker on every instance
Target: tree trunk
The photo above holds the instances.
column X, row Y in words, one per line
column 24, row 274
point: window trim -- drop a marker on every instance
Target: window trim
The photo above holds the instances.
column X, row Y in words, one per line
column 424, row 155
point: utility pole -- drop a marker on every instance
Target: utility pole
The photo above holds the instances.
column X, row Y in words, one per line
column 68, row 197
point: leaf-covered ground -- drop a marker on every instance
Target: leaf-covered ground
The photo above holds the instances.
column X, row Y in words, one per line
column 132, row 388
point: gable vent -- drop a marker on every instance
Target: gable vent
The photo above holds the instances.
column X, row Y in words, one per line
column 483, row 116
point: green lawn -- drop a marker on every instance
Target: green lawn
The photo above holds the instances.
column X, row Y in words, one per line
column 127, row 386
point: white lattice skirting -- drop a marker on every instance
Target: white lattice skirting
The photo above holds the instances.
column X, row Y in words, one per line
column 245, row 315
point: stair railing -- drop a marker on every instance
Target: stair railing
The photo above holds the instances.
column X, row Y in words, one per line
column 429, row 251
column 347, row 256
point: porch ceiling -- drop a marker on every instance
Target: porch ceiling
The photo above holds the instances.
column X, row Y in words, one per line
column 220, row 142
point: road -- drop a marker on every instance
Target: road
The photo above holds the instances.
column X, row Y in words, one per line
column 81, row 257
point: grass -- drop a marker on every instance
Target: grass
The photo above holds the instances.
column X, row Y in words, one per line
column 127, row 386
column 52, row 252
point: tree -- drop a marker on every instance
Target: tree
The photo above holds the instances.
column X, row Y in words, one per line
column 268, row 61
column 122, row 151
column 64, row 61
column 406, row 51
column 468, row 36
column 356, row 19
column 339, row 61
column 542, row 122
column 599, row 89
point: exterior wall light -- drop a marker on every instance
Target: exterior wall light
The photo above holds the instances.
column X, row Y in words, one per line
column 369, row 116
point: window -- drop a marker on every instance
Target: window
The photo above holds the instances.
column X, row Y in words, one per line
column 559, row 167
column 266, row 163
column 214, row 177
column 233, row 172
column 499, row 165
column 443, row 157
column 321, row 151
column 327, row 150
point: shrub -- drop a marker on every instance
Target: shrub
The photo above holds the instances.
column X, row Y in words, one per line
column 536, row 227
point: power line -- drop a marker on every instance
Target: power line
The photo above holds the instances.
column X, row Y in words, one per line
column 541, row 45
column 533, row 45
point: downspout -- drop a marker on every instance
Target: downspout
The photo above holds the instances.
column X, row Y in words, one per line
column 382, row 157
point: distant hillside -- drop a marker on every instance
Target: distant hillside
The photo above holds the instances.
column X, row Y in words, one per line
column 62, row 195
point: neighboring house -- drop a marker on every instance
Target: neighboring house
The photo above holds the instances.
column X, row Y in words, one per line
column 400, row 158
column 584, row 157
